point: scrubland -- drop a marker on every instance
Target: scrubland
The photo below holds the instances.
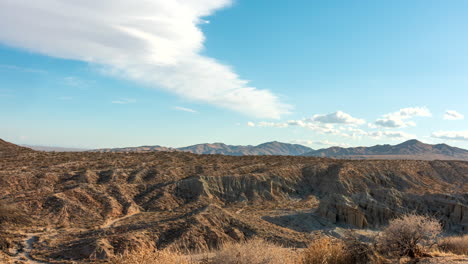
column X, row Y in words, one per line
column 187, row 208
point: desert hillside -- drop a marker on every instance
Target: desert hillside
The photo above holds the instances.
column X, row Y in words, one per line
column 86, row 204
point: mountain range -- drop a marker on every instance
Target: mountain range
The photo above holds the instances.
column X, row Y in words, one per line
column 411, row 149
column 269, row 148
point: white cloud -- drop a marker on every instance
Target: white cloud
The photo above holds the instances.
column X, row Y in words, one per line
column 18, row 68
column 157, row 43
column 302, row 142
column 184, row 109
column 338, row 117
column 453, row 115
column 413, row 111
column 250, row 124
column 393, row 122
column 124, row 101
column 451, row 135
column 323, row 124
column 319, row 143
column 272, row 124
column 391, row 135
column 398, row 119
column 331, row 143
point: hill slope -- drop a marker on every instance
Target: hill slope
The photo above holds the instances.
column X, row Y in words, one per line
column 411, row 149
column 9, row 149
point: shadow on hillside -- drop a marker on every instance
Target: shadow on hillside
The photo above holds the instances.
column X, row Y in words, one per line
column 300, row 222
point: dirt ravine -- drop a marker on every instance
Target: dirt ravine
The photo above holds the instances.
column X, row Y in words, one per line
column 110, row 222
column 24, row 255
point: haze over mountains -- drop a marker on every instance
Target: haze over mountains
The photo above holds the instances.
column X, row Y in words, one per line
column 269, row 148
column 411, row 149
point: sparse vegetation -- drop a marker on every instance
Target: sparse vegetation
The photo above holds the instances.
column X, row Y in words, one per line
column 361, row 252
column 326, row 250
column 454, row 244
column 11, row 215
column 409, row 235
column 255, row 251
column 349, row 250
column 146, row 254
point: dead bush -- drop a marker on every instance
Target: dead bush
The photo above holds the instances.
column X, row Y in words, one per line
column 360, row 252
column 146, row 254
column 254, row 251
column 454, row 244
column 409, row 235
column 326, row 251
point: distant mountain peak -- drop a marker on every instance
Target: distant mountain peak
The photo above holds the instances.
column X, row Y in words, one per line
column 411, row 149
column 411, row 142
column 268, row 148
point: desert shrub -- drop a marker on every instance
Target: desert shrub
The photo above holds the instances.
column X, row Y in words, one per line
column 326, row 251
column 254, row 251
column 455, row 244
column 360, row 252
column 149, row 255
column 409, row 235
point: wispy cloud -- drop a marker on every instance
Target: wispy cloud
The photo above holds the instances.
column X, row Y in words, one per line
column 320, row 143
column 124, row 101
column 6, row 93
column 157, row 43
column 451, row 135
column 453, row 115
column 401, row 118
column 76, row 82
column 179, row 108
column 19, row 68
column 397, row 135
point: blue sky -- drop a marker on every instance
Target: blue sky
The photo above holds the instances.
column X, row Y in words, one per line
column 172, row 73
